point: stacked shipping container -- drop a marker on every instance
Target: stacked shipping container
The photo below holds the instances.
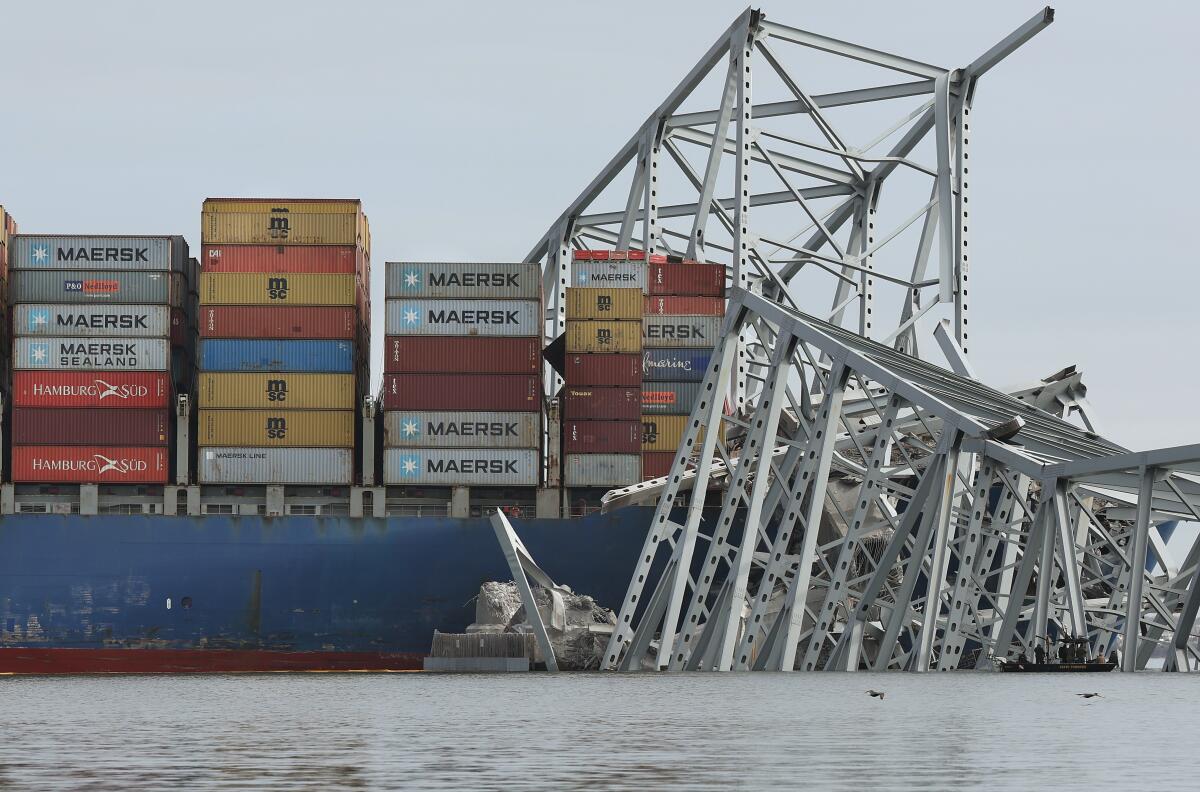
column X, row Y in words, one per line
column 462, row 394
column 8, row 229
column 684, row 309
column 601, row 399
column 284, row 328
column 94, row 320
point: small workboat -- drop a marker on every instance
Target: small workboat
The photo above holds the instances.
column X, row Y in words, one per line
column 1071, row 658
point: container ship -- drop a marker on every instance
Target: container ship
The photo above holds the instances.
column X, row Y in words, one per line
column 198, row 477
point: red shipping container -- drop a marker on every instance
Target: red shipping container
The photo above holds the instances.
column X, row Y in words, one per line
column 583, row 403
column 278, row 321
column 89, row 464
column 602, row 437
column 67, row 426
column 453, row 355
column 480, row 392
column 612, row 370
column 693, row 279
column 677, row 305
column 325, row 259
column 121, row 389
column 656, row 464
column 617, row 255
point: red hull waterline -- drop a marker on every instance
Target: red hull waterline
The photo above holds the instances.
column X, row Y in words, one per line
column 196, row 661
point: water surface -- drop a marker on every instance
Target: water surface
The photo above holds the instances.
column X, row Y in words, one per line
column 601, row 732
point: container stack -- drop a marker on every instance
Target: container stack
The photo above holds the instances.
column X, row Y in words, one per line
column 602, row 425
column 95, row 366
column 8, row 229
column 284, row 314
column 684, row 309
column 462, row 387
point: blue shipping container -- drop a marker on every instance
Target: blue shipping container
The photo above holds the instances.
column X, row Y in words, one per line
column 251, row 354
column 675, row 365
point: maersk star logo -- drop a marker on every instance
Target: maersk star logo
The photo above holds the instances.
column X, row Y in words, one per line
column 40, row 253
column 410, row 427
column 39, row 353
column 410, row 466
column 38, row 318
column 583, row 278
column 412, row 279
column 412, row 317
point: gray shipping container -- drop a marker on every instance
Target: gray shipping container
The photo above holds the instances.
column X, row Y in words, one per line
column 408, row 429
column 609, row 274
column 675, row 332
column 42, row 252
column 602, row 470
column 476, row 281
column 89, row 354
column 670, row 398
column 152, row 321
column 464, row 317
column 67, row 286
column 220, row 465
column 481, row 467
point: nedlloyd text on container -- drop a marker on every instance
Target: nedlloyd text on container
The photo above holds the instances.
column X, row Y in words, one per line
column 63, row 286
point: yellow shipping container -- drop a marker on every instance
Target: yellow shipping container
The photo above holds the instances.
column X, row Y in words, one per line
column 286, row 390
column 589, row 336
column 263, row 288
column 284, row 228
column 610, row 304
column 291, row 205
column 664, row 432
column 294, row 428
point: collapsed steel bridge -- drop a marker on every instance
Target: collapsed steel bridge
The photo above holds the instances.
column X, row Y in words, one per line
column 878, row 510
column 882, row 512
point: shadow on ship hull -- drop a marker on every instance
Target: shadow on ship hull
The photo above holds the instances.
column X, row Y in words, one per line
column 147, row 594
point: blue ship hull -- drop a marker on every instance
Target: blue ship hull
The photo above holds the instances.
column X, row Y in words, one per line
column 145, row 593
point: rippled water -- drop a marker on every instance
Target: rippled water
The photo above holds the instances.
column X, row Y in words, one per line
column 597, row 732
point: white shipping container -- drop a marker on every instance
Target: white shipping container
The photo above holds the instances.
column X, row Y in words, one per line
column 152, row 321
column 407, row 429
column 464, row 317
column 481, row 467
column 107, row 286
column 30, row 251
column 126, row 354
column 276, row 465
column 609, row 274
column 676, row 332
column 602, row 470
column 469, row 280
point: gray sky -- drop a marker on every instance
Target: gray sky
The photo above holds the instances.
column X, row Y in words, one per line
column 466, row 128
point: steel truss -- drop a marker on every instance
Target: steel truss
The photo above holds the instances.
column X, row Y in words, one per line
column 881, row 512
column 813, row 168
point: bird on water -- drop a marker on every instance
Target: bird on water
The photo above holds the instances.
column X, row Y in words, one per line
column 879, row 694
column 1089, row 695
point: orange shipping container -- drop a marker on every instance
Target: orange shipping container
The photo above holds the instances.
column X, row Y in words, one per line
column 321, row 259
